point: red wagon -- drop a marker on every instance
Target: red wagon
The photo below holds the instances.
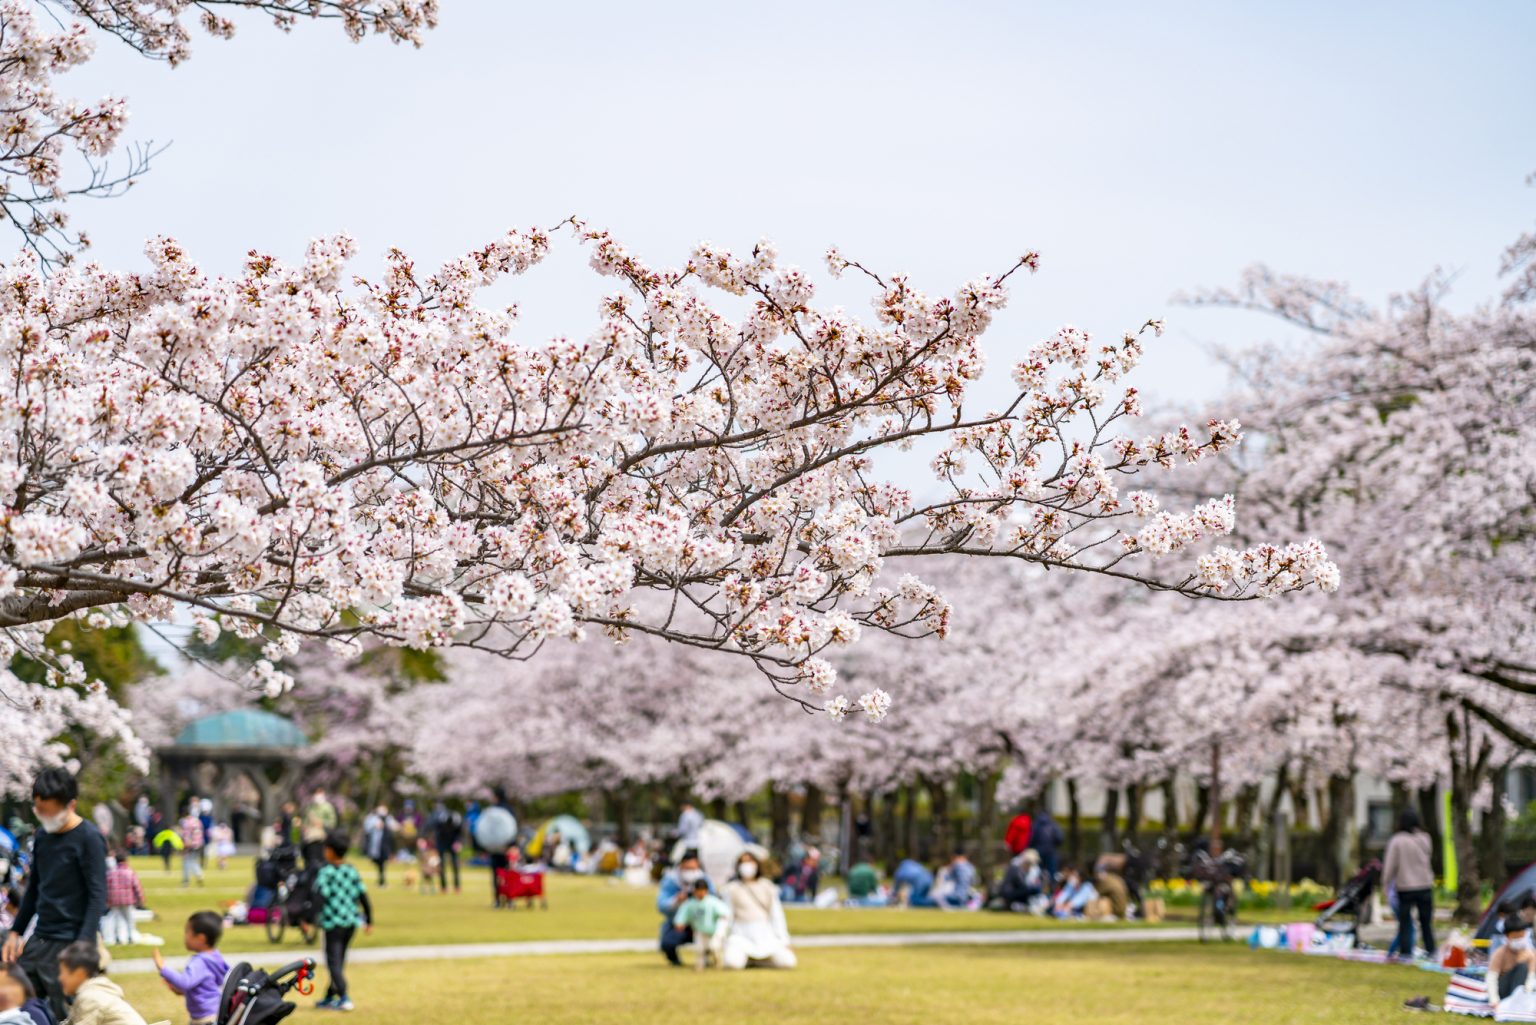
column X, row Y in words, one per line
column 512, row 885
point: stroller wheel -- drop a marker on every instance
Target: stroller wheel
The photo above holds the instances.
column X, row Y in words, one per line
column 277, row 923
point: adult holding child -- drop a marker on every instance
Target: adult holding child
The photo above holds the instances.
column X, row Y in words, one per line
column 67, row 895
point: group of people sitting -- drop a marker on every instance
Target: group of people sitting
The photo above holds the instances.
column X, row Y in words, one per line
column 740, row 925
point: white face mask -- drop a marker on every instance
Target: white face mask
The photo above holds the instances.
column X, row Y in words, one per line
column 690, row 875
column 52, row 823
column 747, row 870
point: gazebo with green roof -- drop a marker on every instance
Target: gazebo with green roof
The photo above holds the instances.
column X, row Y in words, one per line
column 214, row 755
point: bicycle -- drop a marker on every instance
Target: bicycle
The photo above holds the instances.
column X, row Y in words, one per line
column 1218, row 899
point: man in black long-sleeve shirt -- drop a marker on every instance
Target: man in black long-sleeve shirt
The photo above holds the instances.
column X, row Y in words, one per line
column 67, row 891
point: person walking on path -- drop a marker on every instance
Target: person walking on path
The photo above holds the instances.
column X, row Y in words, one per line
column 448, row 838
column 68, row 892
column 379, row 839
column 1408, row 871
column 344, row 905
column 192, row 837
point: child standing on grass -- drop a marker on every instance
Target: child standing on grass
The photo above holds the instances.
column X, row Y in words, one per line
column 704, row 913
column 98, row 1000
column 124, row 893
column 344, row 906
column 202, row 983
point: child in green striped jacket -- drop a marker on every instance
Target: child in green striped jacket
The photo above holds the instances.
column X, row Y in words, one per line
column 343, row 905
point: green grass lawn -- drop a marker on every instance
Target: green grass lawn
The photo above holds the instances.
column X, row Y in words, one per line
column 579, row 908
column 1116, row 983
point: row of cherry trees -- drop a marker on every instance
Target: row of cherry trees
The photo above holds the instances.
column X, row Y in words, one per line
column 323, row 465
column 299, row 456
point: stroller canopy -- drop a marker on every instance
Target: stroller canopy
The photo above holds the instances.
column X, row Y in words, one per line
column 1523, row 883
column 571, row 831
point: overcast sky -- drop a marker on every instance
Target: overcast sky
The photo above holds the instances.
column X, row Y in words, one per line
column 1141, row 151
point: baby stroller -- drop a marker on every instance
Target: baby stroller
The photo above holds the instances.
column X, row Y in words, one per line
column 284, row 894
column 513, row 885
column 1345, row 913
column 254, row 997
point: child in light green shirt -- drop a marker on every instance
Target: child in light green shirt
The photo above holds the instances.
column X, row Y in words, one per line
column 704, row 913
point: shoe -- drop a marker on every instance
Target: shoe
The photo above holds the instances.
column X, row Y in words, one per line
column 327, row 1004
column 344, row 1005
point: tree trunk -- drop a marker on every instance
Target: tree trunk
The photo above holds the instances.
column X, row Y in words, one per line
column 1170, row 807
column 1467, row 772
column 908, row 821
column 986, row 828
column 810, row 815
column 939, row 827
column 1247, row 801
column 1202, row 809
column 1271, row 866
column 885, row 850
column 1074, row 824
column 619, row 801
column 1491, row 843
column 1133, row 795
column 1342, row 835
column 1109, row 823
column 717, row 809
column 739, row 810
column 778, row 821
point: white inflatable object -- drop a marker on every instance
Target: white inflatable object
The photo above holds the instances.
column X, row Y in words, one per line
column 495, row 830
column 719, row 847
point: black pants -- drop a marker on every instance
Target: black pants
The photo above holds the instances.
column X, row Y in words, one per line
column 314, row 856
column 336, row 943
column 40, row 960
column 499, row 862
column 671, row 938
column 1409, row 902
column 444, row 857
column 380, row 862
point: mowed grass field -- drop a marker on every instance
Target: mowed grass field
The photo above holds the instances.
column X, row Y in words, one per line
column 1106, row 984
column 580, row 907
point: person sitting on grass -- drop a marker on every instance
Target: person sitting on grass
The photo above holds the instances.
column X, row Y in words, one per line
column 1512, row 968
column 203, row 981
column 1023, row 883
column 914, row 885
column 344, row 905
column 703, row 913
column 1073, row 896
column 957, row 882
column 18, row 1000
column 97, row 999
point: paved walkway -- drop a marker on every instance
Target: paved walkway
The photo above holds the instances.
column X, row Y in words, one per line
column 540, row 948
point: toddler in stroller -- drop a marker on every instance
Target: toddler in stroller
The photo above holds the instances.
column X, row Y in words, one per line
column 254, row 997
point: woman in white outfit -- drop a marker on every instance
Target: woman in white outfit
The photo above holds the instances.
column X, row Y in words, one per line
column 757, row 933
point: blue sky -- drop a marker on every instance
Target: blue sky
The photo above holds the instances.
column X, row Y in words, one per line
column 1141, row 151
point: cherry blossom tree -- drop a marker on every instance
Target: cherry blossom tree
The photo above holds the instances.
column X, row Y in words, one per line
column 292, row 460
column 55, row 148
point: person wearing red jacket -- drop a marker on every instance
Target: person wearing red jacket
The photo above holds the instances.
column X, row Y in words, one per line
column 1017, row 837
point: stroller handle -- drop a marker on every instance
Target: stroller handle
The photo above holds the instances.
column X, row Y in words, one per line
column 293, row 968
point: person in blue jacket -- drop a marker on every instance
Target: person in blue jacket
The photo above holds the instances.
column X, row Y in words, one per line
column 916, row 881
column 676, row 886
